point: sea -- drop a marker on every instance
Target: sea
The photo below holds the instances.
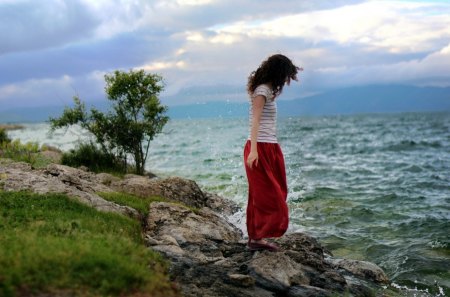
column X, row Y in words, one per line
column 372, row 187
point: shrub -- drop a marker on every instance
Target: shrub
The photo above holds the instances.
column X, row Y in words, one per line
column 18, row 151
column 89, row 155
column 4, row 136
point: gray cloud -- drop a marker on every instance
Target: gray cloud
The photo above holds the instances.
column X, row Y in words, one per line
column 121, row 52
column 54, row 49
column 33, row 25
column 225, row 11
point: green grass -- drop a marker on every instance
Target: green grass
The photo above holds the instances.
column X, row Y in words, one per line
column 20, row 152
column 41, row 162
column 140, row 204
column 49, row 243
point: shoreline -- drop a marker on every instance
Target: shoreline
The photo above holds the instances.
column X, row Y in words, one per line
column 208, row 254
column 341, row 196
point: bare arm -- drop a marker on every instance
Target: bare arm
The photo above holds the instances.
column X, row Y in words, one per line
column 257, row 106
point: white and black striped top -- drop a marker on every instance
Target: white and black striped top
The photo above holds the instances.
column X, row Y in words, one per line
column 268, row 124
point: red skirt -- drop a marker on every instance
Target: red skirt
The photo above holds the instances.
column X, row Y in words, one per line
column 267, row 211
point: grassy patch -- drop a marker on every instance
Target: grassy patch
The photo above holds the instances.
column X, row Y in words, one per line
column 41, row 161
column 53, row 244
column 140, row 204
column 29, row 152
column 21, row 152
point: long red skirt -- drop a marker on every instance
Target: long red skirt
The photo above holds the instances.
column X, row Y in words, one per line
column 267, row 211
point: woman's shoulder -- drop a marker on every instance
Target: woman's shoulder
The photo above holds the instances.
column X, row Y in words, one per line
column 264, row 90
column 263, row 87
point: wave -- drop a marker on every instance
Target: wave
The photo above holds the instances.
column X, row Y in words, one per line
column 407, row 145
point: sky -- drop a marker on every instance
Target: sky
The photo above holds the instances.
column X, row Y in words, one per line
column 51, row 50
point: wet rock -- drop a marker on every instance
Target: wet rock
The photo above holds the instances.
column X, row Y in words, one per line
column 276, row 271
column 209, row 258
column 221, row 205
column 307, row 291
column 363, row 269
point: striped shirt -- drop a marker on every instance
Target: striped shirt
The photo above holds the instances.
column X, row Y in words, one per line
column 268, row 122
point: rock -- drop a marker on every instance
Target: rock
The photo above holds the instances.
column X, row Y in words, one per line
column 209, row 258
column 182, row 190
column 330, row 280
column 200, row 233
column 137, row 185
column 221, row 205
column 304, row 249
column 106, row 178
column 307, row 291
column 276, row 271
column 242, row 280
column 76, row 183
column 363, row 269
column 174, row 189
column 208, row 254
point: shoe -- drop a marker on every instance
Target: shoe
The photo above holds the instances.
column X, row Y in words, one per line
column 257, row 246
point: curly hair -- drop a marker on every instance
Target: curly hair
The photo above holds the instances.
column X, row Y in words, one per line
column 276, row 71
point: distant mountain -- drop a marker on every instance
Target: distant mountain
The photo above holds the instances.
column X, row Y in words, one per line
column 366, row 99
column 370, row 99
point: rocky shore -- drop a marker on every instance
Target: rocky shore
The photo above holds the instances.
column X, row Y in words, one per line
column 207, row 253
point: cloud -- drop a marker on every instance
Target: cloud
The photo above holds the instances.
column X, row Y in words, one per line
column 431, row 70
column 213, row 45
column 397, row 27
column 33, row 25
column 121, row 52
column 56, row 91
column 49, row 90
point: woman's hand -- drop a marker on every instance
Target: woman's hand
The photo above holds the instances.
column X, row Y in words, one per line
column 252, row 158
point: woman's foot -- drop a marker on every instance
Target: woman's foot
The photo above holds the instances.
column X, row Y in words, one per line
column 261, row 244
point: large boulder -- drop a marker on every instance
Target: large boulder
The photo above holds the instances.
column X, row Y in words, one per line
column 197, row 235
column 363, row 269
column 173, row 188
column 209, row 258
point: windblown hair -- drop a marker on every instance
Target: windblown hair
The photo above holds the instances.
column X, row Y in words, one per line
column 276, row 71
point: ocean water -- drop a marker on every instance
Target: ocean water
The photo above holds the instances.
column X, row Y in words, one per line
column 369, row 187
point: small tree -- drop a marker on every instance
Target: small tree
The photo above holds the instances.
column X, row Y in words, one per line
column 136, row 116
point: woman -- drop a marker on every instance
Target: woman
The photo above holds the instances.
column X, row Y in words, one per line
column 267, row 211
